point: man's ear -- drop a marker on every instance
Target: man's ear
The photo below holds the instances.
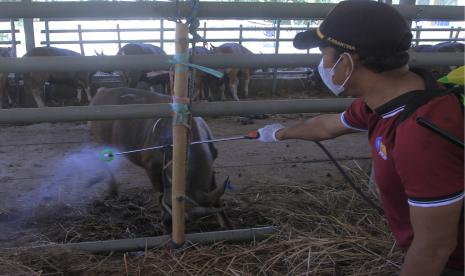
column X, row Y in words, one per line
column 348, row 63
column 355, row 60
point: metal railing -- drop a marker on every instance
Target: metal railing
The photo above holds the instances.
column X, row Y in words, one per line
column 454, row 35
column 95, row 10
column 100, row 112
column 153, row 62
column 207, row 10
column 162, row 32
column 12, row 31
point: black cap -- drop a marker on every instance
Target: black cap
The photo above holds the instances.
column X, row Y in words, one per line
column 366, row 27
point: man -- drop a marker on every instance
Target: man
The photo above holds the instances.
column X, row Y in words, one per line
column 419, row 174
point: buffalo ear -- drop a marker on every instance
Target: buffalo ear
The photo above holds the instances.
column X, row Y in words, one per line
column 212, row 48
column 99, row 54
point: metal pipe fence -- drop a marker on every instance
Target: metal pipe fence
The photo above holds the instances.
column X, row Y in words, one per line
column 417, row 40
column 82, row 42
column 239, row 39
column 207, row 10
column 149, row 62
column 12, row 31
column 221, row 29
column 140, row 111
column 141, row 244
column 161, row 33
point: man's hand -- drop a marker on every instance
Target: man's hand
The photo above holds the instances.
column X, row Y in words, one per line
column 268, row 133
column 315, row 129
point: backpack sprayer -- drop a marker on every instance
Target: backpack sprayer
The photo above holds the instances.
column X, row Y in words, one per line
column 455, row 77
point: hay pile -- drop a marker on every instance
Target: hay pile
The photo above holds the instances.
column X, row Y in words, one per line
column 324, row 230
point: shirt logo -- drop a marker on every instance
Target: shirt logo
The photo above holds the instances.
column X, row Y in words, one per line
column 381, row 148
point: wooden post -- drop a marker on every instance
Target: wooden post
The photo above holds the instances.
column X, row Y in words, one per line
column 118, row 35
column 28, row 29
column 162, row 34
column 205, row 44
column 276, row 51
column 81, row 44
column 13, row 35
column 308, row 27
column 47, row 33
column 418, row 35
column 180, row 140
column 240, row 34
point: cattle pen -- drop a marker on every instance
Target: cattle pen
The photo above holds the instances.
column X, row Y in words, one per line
column 334, row 234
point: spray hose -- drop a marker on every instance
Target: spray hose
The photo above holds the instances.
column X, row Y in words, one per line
column 349, row 179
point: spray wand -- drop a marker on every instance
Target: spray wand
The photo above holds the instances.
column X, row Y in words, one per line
column 107, row 155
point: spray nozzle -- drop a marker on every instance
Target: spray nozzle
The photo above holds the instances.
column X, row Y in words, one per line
column 107, row 155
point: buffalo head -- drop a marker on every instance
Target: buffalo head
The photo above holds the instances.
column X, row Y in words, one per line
column 198, row 203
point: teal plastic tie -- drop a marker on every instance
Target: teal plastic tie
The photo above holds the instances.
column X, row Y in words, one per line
column 181, row 111
column 180, row 108
column 184, row 60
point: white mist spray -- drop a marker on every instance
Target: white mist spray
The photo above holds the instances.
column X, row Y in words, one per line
column 77, row 179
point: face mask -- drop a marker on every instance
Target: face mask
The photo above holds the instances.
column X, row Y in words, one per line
column 328, row 73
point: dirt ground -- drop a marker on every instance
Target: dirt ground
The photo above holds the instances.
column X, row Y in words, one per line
column 53, row 188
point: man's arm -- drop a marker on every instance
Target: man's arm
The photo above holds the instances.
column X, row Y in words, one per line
column 435, row 238
column 315, row 129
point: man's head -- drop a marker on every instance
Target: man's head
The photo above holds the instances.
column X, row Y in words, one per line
column 359, row 34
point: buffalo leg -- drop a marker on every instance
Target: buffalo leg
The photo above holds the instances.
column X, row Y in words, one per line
column 222, row 89
column 197, row 95
column 36, row 95
column 233, row 84
column 207, row 90
column 156, row 178
column 133, row 77
column 202, row 90
column 3, row 92
column 208, row 93
column 167, row 88
column 89, row 94
column 246, row 86
column 79, row 95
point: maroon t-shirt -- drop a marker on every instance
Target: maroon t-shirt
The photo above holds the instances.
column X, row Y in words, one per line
column 414, row 166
